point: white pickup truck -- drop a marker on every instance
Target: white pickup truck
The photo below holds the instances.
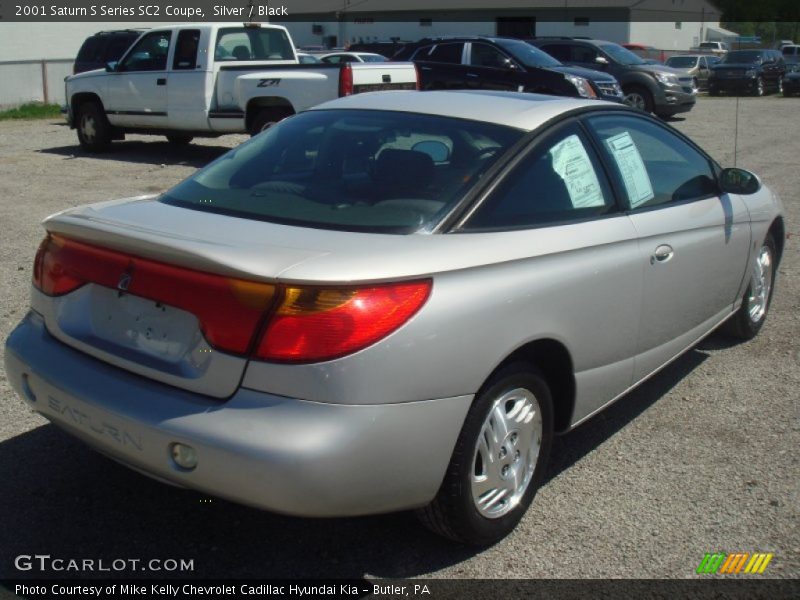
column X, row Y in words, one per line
column 206, row 80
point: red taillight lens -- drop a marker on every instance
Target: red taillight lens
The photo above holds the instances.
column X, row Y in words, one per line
column 321, row 324
column 346, row 80
column 229, row 309
column 311, row 323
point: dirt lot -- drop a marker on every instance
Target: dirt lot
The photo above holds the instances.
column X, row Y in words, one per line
column 702, row 458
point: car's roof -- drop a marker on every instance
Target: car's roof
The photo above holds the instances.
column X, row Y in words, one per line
column 513, row 109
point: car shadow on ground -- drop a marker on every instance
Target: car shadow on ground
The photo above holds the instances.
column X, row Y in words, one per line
column 61, row 498
column 147, row 152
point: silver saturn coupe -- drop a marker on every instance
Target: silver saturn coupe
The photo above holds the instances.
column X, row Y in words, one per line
column 392, row 301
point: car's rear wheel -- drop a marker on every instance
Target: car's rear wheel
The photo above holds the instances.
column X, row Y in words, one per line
column 179, row 140
column 750, row 317
column 638, row 97
column 499, row 459
column 94, row 130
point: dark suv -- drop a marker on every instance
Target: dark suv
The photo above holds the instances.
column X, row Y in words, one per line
column 649, row 87
column 104, row 47
column 751, row 71
column 499, row 63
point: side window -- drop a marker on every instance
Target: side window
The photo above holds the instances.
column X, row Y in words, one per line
column 332, row 60
column 559, row 181
column 653, row 165
column 186, row 49
column 90, row 51
column 583, row 54
column 484, row 55
column 559, row 52
column 117, row 46
column 149, row 54
column 447, row 53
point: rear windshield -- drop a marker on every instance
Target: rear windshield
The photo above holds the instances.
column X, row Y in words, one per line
column 252, row 43
column 742, row 56
column 681, row 62
column 90, row 49
column 350, row 170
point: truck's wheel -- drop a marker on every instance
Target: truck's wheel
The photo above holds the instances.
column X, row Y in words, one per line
column 179, row 140
column 499, row 459
column 267, row 117
column 94, row 130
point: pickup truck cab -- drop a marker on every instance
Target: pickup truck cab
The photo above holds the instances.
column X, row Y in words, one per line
column 205, row 79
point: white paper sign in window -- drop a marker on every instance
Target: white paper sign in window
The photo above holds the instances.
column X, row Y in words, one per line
column 631, row 167
column 572, row 163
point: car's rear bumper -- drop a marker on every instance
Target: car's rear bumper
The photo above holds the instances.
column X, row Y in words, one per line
column 272, row 452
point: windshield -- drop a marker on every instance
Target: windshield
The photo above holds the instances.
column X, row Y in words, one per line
column 351, row 170
column 373, row 58
column 528, row 55
column 682, row 62
column 252, row 43
column 622, row 55
column 742, row 57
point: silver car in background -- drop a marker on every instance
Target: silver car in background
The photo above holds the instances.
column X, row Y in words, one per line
column 698, row 66
column 392, row 301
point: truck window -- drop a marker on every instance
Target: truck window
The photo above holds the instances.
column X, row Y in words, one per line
column 484, row 55
column 149, row 54
column 186, row 49
column 240, row 44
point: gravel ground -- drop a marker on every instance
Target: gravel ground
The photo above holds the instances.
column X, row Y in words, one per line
column 701, row 458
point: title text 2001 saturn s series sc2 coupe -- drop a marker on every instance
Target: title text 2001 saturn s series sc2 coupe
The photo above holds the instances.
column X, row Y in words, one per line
column 392, row 301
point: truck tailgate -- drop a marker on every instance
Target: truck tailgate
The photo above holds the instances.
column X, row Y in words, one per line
column 373, row 77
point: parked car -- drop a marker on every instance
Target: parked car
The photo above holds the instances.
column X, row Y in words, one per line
column 719, row 48
column 697, row 66
column 349, row 57
column 652, row 88
column 791, row 80
column 392, row 301
column 502, row 64
column 755, row 72
column 209, row 79
column 104, row 47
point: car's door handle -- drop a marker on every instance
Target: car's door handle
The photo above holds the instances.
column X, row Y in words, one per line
column 662, row 254
column 161, row 81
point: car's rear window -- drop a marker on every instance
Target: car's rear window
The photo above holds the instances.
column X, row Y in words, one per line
column 351, row 170
column 90, row 51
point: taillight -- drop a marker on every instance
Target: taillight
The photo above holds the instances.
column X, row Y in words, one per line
column 315, row 324
column 419, row 77
column 228, row 309
column 346, row 80
column 310, row 324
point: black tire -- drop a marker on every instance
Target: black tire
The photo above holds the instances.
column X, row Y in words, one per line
column 453, row 512
column 743, row 324
column 638, row 97
column 94, row 130
column 179, row 140
column 267, row 117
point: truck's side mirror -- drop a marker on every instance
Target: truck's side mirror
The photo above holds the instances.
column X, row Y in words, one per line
column 739, row 181
column 111, row 66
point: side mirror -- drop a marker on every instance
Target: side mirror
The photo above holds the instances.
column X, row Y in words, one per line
column 111, row 66
column 739, row 181
column 601, row 60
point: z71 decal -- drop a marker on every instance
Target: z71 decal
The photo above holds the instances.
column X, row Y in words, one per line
column 268, row 82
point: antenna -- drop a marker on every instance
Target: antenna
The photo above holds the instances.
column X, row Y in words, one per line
column 736, row 133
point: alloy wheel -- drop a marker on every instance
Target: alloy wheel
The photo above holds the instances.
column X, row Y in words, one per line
column 760, row 285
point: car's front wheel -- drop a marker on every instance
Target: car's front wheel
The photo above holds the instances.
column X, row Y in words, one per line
column 499, row 459
column 639, row 97
column 749, row 319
